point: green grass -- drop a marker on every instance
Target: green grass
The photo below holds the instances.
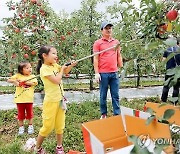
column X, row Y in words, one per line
column 76, row 114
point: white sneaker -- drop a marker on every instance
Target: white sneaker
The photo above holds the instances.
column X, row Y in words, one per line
column 103, row 116
column 21, row 130
column 30, row 129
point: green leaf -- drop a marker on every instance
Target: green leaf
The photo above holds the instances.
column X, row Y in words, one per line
column 132, row 138
column 168, row 114
column 145, row 151
column 156, row 52
column 162, row 104
column 158, row 150
column 167, row 81
column 169, row 57
column 150, row 110
column 173, row 99
column 134, row 150
column 150, row 119
column 170, row 42
column 170, row 72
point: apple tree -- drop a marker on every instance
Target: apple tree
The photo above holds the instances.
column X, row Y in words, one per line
column 28, row 29
column 88, row 30
column 142, row 31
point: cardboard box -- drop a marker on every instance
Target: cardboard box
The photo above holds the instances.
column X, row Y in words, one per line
column 109, row 136
column 160, row 111
column 104, row 135
column 155, row 130
column 133, row 112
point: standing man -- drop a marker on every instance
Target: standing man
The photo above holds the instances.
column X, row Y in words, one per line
column 171, row 64
column 106, row 68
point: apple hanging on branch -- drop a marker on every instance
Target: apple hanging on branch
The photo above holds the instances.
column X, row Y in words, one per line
column 17, row 30
column 63, row 37
column 26, row 47
column 34, row 1
column 33, row 52
column 26, row 56
column 172, row 15
column 162, row 28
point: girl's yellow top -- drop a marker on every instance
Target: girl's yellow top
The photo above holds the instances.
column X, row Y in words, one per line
column 53, row 92
column 23, row 94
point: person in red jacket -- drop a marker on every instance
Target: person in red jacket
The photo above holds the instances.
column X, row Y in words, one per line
column 106, row 68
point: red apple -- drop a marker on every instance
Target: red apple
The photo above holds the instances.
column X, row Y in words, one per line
column 26, row 56
column 27, row 14
column 34, row 1
column 42, row 26
column 33, row 52
column 33, row 16
column 162, row 28
column 21, row 16
column 55, row 30
column 42, row 12
column 26, row 47
column 69, row 33
column 63, row 37
column 172, row 15
column 17, row 30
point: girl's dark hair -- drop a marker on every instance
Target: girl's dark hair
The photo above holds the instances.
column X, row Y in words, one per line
column 21, row 66
column 43, row 49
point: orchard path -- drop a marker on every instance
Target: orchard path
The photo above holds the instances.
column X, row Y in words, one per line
column 6, row 100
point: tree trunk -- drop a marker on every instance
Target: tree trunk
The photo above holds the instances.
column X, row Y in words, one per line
column 90, row 35
column 138, row 76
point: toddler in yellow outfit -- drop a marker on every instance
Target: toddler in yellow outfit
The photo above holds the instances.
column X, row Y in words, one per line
column 25, row 83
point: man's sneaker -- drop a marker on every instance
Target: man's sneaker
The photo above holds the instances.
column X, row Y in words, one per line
column 60, row 150
column 40, row 151
column 103, row 116
column 21, row 130
column 30, row 129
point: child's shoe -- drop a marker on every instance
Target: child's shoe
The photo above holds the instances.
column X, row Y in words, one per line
column 60, row 150
column 30, row 129
column 21, row 130
column 40, row 151
column 103, row 116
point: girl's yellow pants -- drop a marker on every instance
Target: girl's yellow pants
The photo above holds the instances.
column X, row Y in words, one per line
column 53, row 118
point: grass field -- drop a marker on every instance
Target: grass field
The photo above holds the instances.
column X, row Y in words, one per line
column 76, row 114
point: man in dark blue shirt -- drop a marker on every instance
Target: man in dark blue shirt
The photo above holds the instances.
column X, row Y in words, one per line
column 171, row 63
